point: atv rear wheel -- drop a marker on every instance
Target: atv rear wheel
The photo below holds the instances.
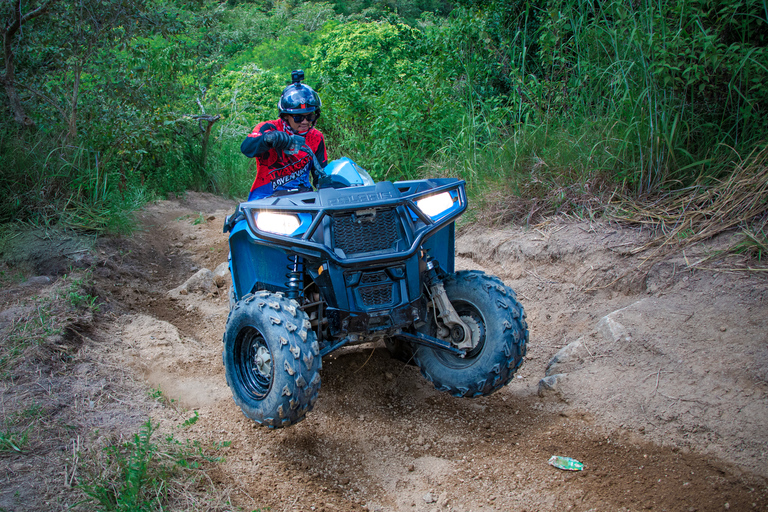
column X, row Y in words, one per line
column 271, row 359
column 496, row 320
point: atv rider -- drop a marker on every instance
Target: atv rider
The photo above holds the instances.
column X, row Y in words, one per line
column 278, row 172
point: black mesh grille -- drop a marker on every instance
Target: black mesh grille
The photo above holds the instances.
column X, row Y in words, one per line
column 353, row 234
column 373, row 277
column 376, row 295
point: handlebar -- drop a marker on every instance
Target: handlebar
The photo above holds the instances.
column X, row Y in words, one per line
column 299, row 143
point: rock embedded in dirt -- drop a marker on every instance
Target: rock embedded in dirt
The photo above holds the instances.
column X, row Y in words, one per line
column 202, row 281
column 612, row 330
column 567, row 358
column 36, row 281
column 221, row 274
column 551, row 386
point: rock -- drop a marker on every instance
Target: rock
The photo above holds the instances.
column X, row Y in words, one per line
column 428, row 498
column 221, row 274
column 37, row 281
column 551, row 386
column 202, row 281
column 567, row 358
column 612, row 330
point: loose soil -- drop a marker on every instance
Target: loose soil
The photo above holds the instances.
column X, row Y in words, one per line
column 657, row 380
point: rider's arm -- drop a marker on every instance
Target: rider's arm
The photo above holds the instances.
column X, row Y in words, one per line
column 254, row 144
column 321, row 154
column 322, row 158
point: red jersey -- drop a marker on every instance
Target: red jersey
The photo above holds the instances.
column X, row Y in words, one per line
column 277, row 170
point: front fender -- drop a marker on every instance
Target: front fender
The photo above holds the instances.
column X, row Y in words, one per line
column 254, row 265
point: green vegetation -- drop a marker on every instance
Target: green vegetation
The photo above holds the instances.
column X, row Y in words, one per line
column 11, row 440
column 76, row 295
column 191, row 420
column 14, row 436
column 551, row 101
column 144, row 474
column 155, row 394
column 43, row 321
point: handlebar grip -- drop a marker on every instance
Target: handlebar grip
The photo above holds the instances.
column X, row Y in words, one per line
column 300, row 144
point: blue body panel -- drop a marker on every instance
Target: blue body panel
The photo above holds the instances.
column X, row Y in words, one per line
column 441, row 246
column 254, row 266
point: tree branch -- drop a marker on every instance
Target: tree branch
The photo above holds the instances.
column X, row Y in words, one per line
column 10, row 29
column 37, row 93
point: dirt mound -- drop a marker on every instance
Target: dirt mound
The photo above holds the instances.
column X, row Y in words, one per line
column 46, row 251
column 659, row 384
column 676, row 355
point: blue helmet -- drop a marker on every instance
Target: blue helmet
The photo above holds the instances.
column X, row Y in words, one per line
column 298, row 98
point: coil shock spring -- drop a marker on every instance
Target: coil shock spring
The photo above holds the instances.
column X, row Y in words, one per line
column 295, row 276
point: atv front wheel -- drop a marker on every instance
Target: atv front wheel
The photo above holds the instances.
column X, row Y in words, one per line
column 271, row 359
column 499, row 337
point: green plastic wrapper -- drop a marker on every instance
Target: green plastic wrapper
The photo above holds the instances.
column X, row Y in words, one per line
column 565, row 463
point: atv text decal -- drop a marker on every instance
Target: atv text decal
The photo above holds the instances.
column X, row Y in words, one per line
column 361, row 198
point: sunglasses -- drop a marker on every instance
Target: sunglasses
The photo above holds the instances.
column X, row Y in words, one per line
column 298, row 118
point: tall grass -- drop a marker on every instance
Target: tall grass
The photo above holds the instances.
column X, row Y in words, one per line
column 44, row 183
column 648, row 97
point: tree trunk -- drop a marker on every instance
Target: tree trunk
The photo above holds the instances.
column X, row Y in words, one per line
column 9, row 81
column 210, row 120
column 9, row 77
column 19, row 114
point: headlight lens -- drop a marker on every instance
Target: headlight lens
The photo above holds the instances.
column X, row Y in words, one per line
column 278, row 223
column 436, row 204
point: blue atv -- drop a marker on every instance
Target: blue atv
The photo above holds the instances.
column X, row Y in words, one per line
column 358, row 262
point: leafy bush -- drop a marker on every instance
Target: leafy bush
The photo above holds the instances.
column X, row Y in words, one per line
column 653, row 94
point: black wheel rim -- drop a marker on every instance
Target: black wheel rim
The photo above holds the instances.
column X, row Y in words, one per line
column 253, row 362
column 470, row 314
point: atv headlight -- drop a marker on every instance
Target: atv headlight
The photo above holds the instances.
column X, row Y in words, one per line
column 278, row 223
column 436, row 204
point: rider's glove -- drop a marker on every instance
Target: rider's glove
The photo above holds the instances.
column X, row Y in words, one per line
column 277, row 139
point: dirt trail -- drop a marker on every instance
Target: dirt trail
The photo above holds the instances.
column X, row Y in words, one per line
column 662, row 390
